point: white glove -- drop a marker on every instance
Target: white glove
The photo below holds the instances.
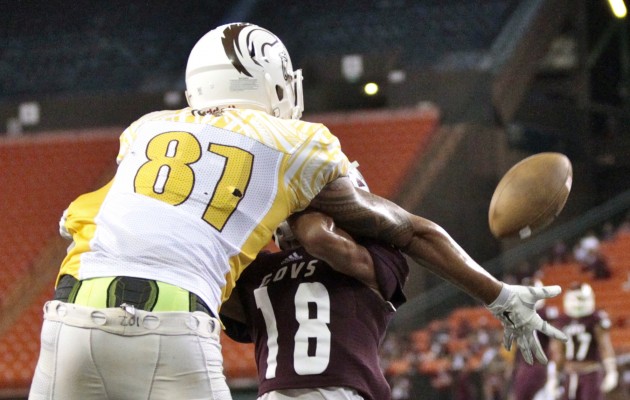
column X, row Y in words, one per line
column 551, row 388
column 515, row 308
column 63, row 231
column 612, row 376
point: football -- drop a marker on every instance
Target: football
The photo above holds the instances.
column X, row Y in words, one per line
column 530, row 195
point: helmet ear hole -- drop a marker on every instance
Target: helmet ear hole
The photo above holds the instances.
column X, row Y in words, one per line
column 279, row 92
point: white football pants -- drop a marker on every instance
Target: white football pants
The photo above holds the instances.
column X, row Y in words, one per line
column 330, row 393
column 116, row 354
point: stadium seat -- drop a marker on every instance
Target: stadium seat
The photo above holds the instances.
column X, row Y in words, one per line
column 44, row 173
column 367, row 137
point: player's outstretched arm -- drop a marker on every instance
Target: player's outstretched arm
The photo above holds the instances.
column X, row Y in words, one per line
column 607, row 352
column 363, row 213
column 321, row 238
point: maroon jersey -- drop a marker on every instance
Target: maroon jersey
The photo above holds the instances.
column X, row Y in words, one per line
column 314, row 327
column 583, row 344
column 548, row 314
column 527, row 379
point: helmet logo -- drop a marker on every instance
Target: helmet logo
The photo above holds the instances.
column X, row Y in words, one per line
column 256, row 42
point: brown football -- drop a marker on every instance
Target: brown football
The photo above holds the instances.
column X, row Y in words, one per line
column 530, row 195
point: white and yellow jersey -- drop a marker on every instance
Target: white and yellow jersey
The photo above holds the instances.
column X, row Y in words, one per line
column 78, row 225
column 196, row 197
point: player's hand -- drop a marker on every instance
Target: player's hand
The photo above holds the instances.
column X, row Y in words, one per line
column 63, row 231
column 611, row 379
column 515, row 308
column 552, row 387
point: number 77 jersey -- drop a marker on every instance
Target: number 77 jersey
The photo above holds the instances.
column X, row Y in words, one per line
column 583, row 343
column 195, row 197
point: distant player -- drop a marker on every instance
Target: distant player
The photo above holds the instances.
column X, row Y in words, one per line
column 529, row 382
column 587, row 359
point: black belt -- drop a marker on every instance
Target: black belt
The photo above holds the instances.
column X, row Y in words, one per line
column 138, row 292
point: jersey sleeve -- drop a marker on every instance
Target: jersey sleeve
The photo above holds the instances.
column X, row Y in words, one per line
column 236, row 330
column 78, row 222
column 129, row 135
column 125, row 140
column 391, row 270
column 317, row 162
column 63, row 229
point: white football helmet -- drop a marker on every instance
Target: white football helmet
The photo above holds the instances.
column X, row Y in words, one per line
column 240, row 65
column 284, row 237
column 579, row 301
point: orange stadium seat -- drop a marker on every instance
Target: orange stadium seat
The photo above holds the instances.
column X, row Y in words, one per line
column 238, row 361
column 398, row 367
column 420, row 340
column 563, row 273
column 620, row 338
column 44, row 173
column 19, row 346
column 387, row 144
column 477, row 317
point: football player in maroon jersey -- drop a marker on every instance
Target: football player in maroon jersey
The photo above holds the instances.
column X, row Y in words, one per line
column 587, row 360
column 317, row 311
column 317, row 330
column 529, row 382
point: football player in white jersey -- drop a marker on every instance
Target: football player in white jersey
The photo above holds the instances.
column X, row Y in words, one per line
column 197, row 193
